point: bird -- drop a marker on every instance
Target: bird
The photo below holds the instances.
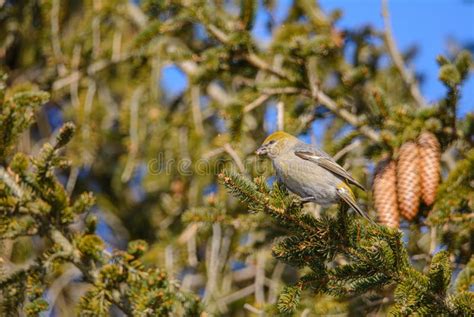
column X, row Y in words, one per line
column 309, row 172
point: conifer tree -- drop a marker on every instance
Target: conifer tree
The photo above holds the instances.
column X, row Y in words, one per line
column 142, row 162
column 33, row 203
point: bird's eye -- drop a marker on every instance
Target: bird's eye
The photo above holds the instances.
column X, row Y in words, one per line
column 271, row 142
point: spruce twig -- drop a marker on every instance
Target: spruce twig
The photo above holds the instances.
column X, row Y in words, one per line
column 247, row 190
column 316, row 93
column 374, row 256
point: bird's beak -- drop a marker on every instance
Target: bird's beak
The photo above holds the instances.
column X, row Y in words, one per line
column 261, row 150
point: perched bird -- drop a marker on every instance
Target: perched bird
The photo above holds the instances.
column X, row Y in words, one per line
column 309, row 172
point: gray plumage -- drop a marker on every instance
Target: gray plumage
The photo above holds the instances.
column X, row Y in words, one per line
column 309, row 172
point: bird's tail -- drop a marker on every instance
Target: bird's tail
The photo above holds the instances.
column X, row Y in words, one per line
column 348, row 198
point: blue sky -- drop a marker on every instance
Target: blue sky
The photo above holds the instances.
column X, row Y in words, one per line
column 425, row 23
column 428, row 24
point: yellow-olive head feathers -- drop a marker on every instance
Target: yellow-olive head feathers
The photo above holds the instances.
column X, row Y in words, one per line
column 278, row 136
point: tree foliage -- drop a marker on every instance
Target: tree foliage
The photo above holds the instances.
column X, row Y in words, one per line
column 101, row 150
column 347, row 257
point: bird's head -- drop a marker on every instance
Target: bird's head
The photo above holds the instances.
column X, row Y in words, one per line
column 276, row 143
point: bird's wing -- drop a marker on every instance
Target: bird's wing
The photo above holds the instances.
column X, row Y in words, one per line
column 345, row 193
column 326, row 162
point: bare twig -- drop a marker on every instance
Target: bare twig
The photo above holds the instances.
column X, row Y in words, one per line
column 241, row 293
column 449, row 157
column 397, row 58
column 280, row 115
column 92, row 69
column 196, row 109
column 60, row 283
column 276, row 275
column 214, row 90
column 213, row 262
column 10, row 182
column 281, row 91
column 256, row 61
column 225, row 248
column 65, row 81
column 348, row 148
column 105, row 96
column 260, row 278
column 188, row 233
column 433, row 239
column 221, row 36
column 256, row 103
column 116, row 46
column 57, row 237
column 74, row 85
column 133, row 130
column 71, row 181
column 253, row 309
column 217, row 93
column 191, row 281
column 64, row 243
column 10, row 270
column 324, row 99
column 192, row 251
column 95, row 36
column 244, row 274
column 311, row 67
column 89, row 100
column 183, row 136
column 136, row 14
column 316, row 94
column 230, row 150
column 346, row 116
column 55, row 42
column 314, row 14
column 213, row 153
column 169, row 259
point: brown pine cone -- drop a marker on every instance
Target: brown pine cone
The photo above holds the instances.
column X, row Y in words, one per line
column 385, row 193
column 408, row 180
column 429, row 151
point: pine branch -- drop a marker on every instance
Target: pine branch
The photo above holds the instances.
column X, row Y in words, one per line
column 316, row 94
column 39, row 196
column 247, row 191
column 374, row 256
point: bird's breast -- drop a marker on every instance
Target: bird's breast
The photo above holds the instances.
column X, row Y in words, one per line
column 307, row 179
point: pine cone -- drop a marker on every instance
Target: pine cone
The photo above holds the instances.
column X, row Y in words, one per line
column 430, row 166
column 385, row 193
column 408, row 180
